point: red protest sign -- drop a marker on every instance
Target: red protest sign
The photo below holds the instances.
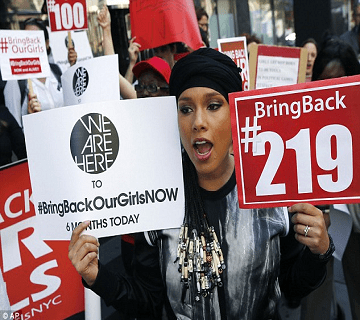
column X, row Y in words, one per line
column 298, row 143
column 67, row 15
column 25, row 65
column 158, row 22
column 40, row 280
column 236, row 49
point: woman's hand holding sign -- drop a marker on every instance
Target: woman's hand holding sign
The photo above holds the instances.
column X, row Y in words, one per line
column 83, row 253
column 310, row 227
column 34, row 104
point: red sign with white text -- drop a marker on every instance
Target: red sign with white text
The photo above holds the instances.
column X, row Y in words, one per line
column 155, row 23
column 67, row 15
column 23, row 55
column 236, row 49
column 40, row 280
column 25, row 65
column 298, row 143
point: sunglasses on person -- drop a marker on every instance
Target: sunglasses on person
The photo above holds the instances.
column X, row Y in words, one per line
column 151, row 88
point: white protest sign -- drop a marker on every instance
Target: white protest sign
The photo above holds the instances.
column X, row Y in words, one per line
column 117, row 164
column 274, row 66
column 276, row 71
column 59, row 48
column 23, row 55
column 91, row 81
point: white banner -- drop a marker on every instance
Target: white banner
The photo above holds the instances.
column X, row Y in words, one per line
column 59, row 48
column 283, row 71
column 23, row 55
column 117, row 164
column 92, row 81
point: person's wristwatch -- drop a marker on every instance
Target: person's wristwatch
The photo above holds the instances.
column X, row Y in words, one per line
column 327, row 255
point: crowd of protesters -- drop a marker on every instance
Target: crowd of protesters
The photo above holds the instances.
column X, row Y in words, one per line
column 295, row 259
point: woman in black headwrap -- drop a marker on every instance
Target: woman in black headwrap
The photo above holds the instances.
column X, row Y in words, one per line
column 227, row 260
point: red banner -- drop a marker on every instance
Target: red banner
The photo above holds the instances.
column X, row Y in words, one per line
column 41, row 282
column 298, row 143
column 159, row 22
column 67, row 15
column 25, row 65
column 236, row 49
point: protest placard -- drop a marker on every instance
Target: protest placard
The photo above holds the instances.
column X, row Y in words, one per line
column 117, row 164
column 66, row 15
column 23, row 55
column 59, row 47
column 91, row 81
column 298, row 143
column 41, row 282
column 236, row 49
column 272, row 66
column 155, row 23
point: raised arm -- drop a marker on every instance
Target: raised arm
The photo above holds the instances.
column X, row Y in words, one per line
column 104, row 21
column 140, row 294
column 127, row 91
column 134, row 51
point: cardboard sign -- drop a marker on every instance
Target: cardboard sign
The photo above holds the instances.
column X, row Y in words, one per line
column 273, row 66
column 23, row 55
column 59, row 47
column 298, row 143
column 155, row 23
column 91, row 81
column 117, row 164
column 40, row 280
column 66, row 15
column 236, row 49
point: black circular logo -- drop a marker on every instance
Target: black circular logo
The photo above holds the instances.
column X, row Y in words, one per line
column 80, row 81
column 94, row 143
column 67, row 42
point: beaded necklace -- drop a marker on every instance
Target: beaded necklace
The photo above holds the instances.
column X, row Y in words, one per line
column 200, row 259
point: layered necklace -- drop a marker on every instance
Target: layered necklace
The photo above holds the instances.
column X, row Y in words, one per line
column 200, row 258
column 201, row 261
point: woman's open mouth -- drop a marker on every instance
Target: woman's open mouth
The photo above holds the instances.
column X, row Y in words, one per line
column 202, row 149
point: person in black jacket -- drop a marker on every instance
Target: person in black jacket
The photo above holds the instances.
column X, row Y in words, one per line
column 229, row 262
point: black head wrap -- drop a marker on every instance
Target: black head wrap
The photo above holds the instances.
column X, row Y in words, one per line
column 205, row 67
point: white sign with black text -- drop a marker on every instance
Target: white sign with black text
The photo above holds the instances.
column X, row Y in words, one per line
column 92, row 81
column 59, row 47
column 117, row 164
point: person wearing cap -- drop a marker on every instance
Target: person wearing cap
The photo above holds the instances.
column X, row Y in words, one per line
column 153, row 78
column 223, row 262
